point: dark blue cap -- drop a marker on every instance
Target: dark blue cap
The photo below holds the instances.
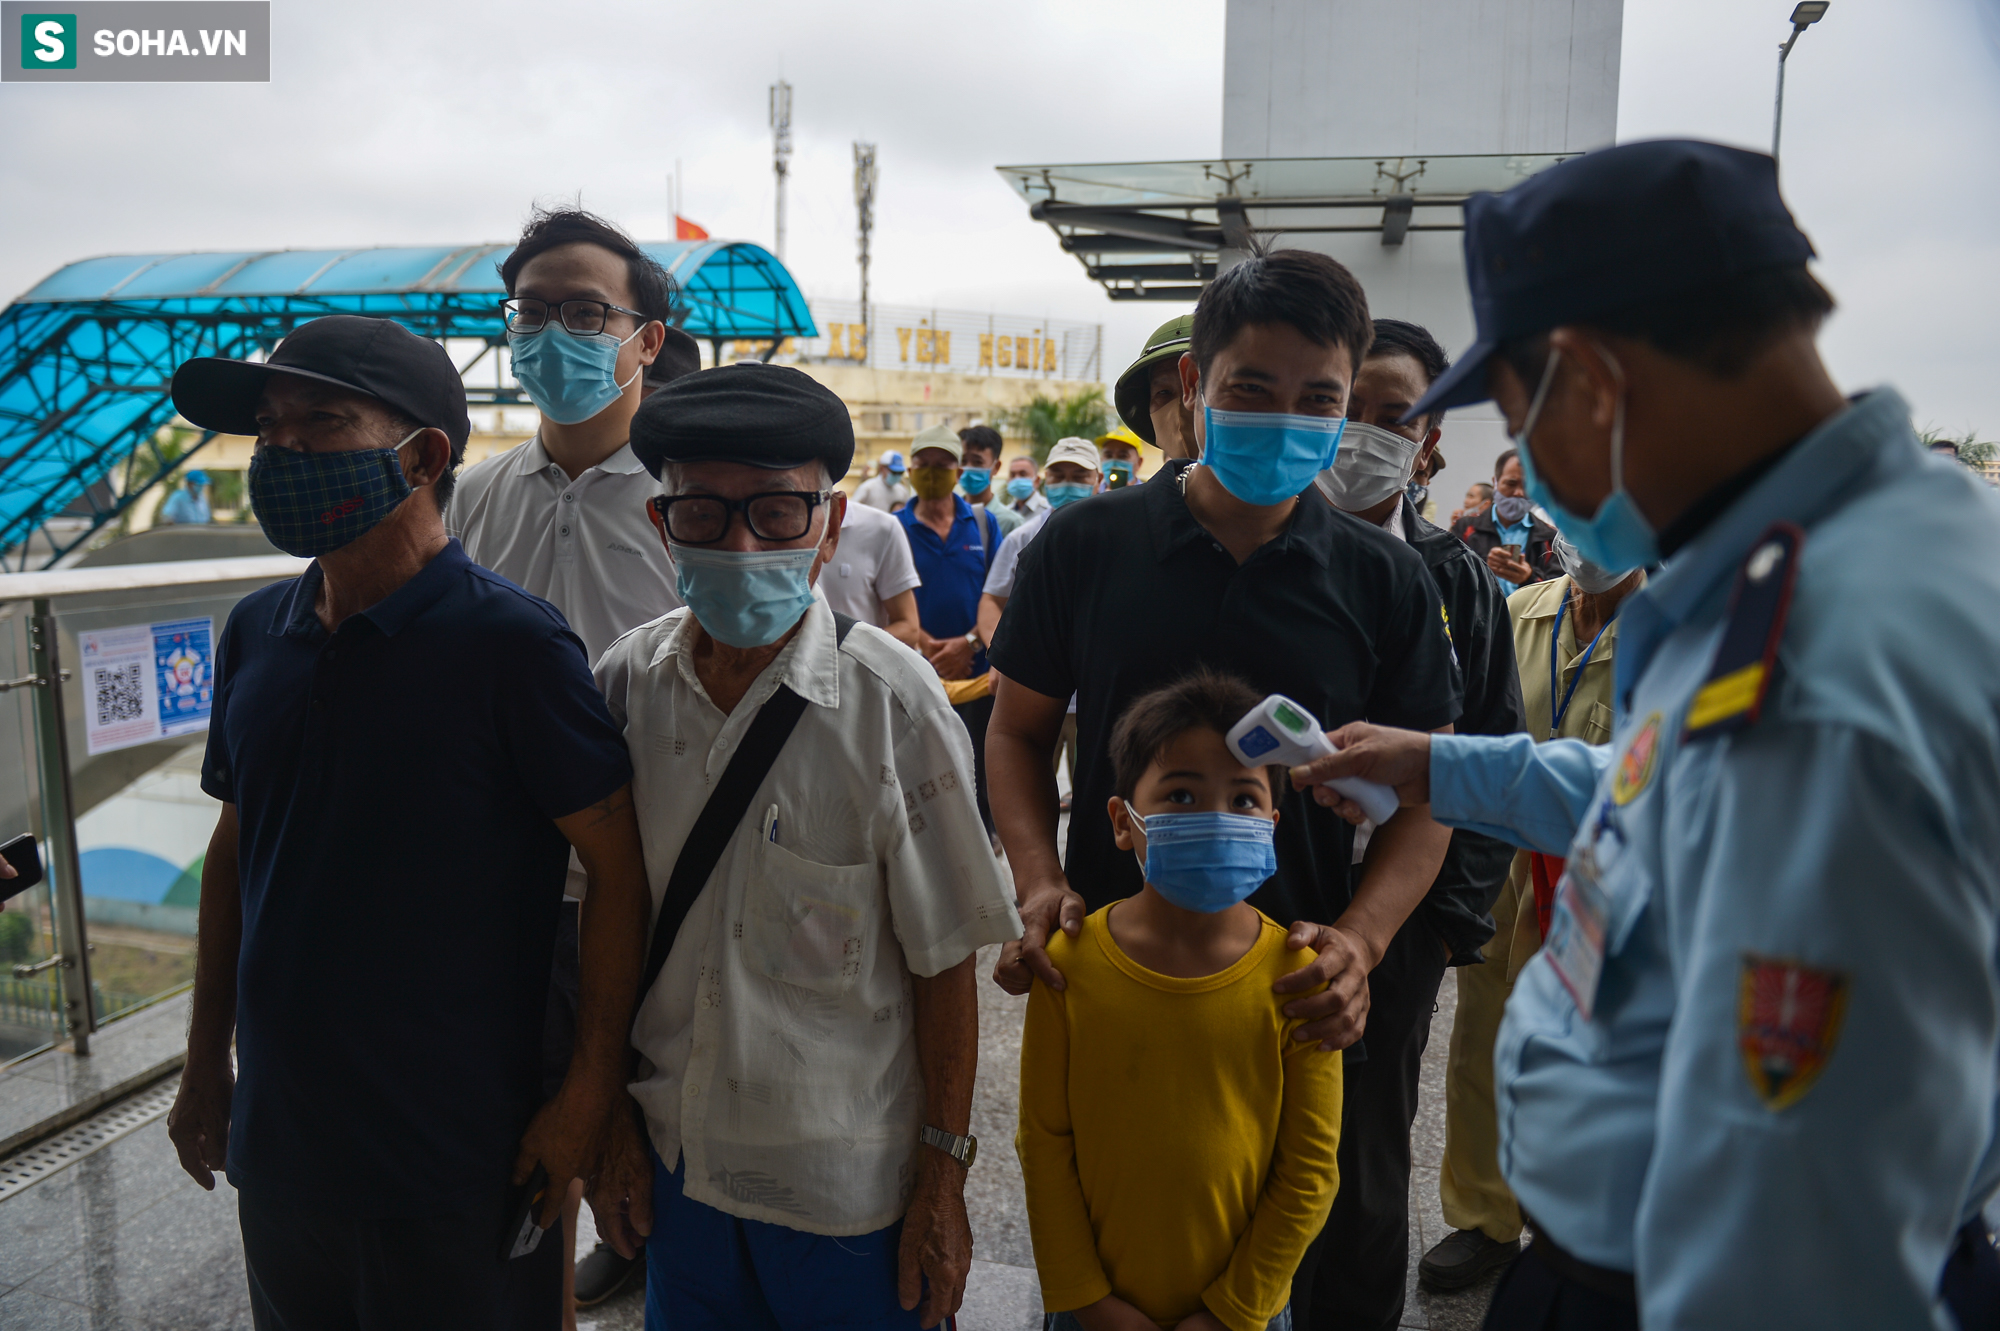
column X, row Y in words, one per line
column 1610, row 229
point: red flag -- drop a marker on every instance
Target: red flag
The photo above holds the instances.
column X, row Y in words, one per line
column 686, row 230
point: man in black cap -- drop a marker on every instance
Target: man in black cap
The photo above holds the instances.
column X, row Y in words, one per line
column 1748, row 1081
column 393, row 804
column 804, row 1085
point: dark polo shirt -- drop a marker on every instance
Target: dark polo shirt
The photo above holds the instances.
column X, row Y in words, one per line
column 1124, row 592
column 395, row 785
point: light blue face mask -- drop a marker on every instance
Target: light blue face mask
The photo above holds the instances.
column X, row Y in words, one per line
column 1020, row 487
column 975, row 480
column 1207, row 861
column 1065, row 492
column 569, row 378
column 745, row 598
column 1267, row 457
column 1617, row 535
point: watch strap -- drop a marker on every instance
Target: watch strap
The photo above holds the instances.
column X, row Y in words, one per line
column 961, row 1149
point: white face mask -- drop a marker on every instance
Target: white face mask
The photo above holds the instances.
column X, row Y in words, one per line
column 1583, row 573
column 1372, row 464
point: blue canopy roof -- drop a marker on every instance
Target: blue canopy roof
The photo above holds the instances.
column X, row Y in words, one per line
column 731, row 288
column 86, row 356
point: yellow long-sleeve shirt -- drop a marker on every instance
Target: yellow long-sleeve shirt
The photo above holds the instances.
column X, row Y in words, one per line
column 1178, row 1147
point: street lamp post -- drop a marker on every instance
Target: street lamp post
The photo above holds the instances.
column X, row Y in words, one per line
column 1807, row 13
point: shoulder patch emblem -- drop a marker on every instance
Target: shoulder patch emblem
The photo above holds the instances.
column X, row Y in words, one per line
column 1788, row 1019
column 1746, row 660
column 1635, row 766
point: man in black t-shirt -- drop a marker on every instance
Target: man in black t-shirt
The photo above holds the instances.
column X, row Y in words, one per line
column 1361, row 1264
column 1221, row 564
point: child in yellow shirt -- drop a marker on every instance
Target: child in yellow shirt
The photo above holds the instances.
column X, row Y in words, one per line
column 1178, row 1145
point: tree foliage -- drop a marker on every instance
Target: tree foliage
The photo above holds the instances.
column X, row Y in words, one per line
column 1045, row 419
column 1973, row 452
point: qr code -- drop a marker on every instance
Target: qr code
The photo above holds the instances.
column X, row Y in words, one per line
column 120, row 695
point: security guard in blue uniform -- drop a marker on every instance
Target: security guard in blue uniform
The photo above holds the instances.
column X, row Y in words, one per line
column 1750, row 1081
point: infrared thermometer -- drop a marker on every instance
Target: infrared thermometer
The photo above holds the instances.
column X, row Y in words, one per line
column 1278, row 730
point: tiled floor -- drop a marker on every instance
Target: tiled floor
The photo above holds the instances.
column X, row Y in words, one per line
column 123, row 1239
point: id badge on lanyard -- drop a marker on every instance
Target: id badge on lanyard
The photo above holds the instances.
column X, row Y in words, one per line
column 1575, row 947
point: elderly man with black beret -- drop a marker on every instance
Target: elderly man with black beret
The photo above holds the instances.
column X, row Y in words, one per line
column 821, row 881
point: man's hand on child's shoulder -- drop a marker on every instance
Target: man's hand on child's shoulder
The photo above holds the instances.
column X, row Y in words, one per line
column 1335, row 985
column 1045, row 908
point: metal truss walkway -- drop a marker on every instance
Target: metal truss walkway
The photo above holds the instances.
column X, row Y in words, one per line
column 86, row 356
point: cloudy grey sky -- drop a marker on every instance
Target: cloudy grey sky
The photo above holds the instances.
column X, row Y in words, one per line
column 439, row 122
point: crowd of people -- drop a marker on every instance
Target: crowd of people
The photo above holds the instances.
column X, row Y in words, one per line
column 693, row 787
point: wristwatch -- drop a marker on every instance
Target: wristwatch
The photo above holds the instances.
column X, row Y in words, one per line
column 972, row 637
column 962, row 1149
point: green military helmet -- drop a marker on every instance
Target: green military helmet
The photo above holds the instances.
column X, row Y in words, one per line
column 1135, row 387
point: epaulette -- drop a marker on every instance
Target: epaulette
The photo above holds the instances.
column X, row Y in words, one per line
column 1746, row 660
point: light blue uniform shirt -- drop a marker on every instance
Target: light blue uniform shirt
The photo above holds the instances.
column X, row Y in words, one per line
column 1854, row 828
column 185, row 507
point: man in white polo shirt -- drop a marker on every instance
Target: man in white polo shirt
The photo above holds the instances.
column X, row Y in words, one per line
column 563, row 516
column 874, row 579
column 821, row 883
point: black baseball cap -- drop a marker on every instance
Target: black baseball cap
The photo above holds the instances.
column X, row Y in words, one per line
column 770, row 416
column 680, row 354
column 1611, row 229
column 377, row 357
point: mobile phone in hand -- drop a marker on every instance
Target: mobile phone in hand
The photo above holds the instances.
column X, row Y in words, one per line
column 26, row 857
column 522, row 1233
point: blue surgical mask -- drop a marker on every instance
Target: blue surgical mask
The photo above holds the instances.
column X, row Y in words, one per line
column 1207, row 861
column 311, row 504
column 1065, row 492
column 1020, row 487
column 1617, row 535
column 1267, row 457
column 569, row 377
column 746, row 598
column 975, row 480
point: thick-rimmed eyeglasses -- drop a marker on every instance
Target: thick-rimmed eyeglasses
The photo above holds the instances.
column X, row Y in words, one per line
column 526, row 314
column 774, row 515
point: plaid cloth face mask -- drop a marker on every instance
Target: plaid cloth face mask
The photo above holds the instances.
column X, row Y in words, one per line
column 311, row 504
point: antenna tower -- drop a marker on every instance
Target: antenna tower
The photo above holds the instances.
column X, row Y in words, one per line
column 781, row 151
column 864, row 204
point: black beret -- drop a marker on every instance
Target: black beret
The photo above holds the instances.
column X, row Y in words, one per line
column 761, row 415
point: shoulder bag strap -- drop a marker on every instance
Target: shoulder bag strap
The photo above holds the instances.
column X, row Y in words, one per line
column 723, row 813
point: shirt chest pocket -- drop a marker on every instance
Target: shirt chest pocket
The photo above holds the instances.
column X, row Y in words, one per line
column 1597, row 724
column 806, row 923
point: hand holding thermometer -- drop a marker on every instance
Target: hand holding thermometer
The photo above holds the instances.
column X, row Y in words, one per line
column 1278, row 730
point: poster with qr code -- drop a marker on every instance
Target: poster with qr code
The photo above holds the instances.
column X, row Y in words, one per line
column 145, row 682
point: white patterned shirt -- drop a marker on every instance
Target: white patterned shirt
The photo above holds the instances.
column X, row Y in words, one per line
column 778, row 1049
